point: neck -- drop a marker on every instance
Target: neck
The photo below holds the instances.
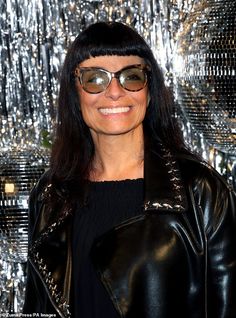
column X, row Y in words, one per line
column 118, row 157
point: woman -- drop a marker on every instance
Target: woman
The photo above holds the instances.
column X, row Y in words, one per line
column 126, row 222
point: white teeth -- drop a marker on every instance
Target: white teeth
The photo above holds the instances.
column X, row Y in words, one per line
column 114, row 110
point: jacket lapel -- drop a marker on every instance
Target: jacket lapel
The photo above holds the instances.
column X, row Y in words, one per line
column 50, row 256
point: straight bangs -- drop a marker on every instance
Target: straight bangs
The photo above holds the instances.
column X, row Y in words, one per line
column 110, row 39
column 122, row 49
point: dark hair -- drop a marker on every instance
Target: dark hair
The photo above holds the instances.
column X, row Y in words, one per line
column 73, row 148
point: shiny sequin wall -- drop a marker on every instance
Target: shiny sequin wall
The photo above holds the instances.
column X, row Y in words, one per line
column 194, row 42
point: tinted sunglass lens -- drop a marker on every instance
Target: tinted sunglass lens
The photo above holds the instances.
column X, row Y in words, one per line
column 133, row 79
column 94, row 81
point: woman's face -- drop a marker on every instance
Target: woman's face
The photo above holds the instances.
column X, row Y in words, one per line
column 115, row 110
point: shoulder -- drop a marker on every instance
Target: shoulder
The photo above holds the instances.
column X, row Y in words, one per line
column 36, row 199
column 195, row 174
column 40, row 188
column 208, row 191
column 193, row 169
column 48, row 203
column 198, row 172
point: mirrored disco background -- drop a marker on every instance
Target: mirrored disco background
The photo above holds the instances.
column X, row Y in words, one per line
column 194, row 42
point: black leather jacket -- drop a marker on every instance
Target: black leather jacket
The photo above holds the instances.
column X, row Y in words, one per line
column 176, row 260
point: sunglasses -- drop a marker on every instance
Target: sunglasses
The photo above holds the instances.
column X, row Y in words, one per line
column 95, row 80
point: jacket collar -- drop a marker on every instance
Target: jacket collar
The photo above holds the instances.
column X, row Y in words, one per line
column 163, row 183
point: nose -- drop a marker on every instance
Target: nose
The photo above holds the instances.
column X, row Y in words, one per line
column 114, row 90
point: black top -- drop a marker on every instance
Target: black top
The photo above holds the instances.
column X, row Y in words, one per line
column 110, row 203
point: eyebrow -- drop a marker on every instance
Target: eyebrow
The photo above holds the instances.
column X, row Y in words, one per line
column 102, row 68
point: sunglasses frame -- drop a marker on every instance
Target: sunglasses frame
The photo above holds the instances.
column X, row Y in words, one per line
column 80, row 70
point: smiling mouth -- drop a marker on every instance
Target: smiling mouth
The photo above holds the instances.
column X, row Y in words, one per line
column 114, row 110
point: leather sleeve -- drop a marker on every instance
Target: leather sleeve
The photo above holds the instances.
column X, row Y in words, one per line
column 31, row 290
column 218, row 204
column 36, row 300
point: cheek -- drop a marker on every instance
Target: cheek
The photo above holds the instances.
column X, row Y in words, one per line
column 87, row 104
column 86, row 100
column 143, row 99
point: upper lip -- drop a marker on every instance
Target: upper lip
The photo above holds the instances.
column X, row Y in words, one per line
column 120, row 106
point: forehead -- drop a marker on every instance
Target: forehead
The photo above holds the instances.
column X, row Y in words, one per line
column 112, row 63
